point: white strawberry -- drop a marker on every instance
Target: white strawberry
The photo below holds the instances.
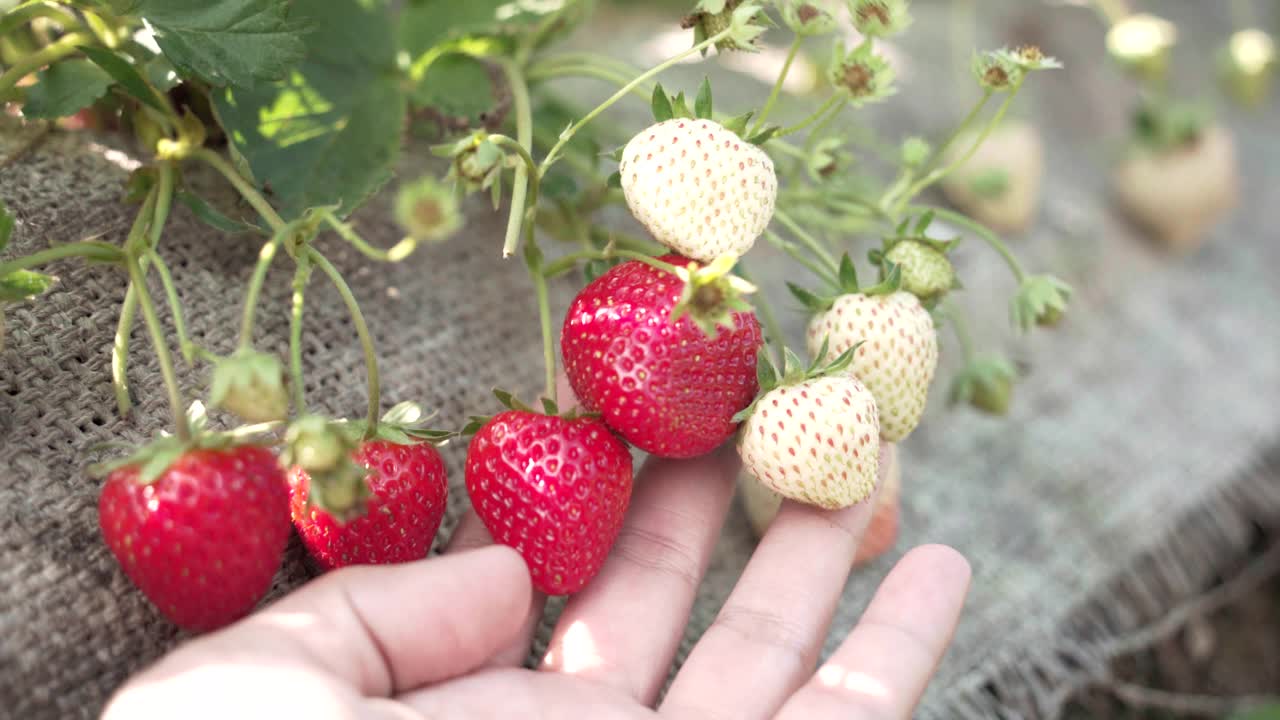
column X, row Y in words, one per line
column 813, row 437
column 999, row 185
column 698, row 187
column 898, row 353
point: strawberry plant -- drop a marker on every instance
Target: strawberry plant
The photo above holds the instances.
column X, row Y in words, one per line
column 301, row 108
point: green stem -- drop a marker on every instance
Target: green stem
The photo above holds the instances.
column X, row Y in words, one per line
column 64, row 46
column 772, row 328
column 808, row 240
column 936, row 175
column 300, row 278
column 164, row 201
column 961, row 330
column 544, row 318
column 395, row 253
column 777, row 87
column 100, row 252
column 831, row 102
column 978, row 229
column 904, row 182
column 621, row 93
column 120, row 351
column 790, row 248
column 161, row 348
column 590, row 71
column 265, row 256
column 362, row 329
column 246, row 190
column 185, row 346
column 588, row 59
column 565, row 262
column 527, row 169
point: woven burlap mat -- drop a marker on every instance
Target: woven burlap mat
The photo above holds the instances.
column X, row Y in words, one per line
column 1134, row 467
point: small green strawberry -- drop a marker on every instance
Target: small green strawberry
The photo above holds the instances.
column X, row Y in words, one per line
column 250, row 385
column 814, row 435
column 924, row 268
column 986, row 383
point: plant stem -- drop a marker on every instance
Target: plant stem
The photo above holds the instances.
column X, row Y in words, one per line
column 300, row 277
column 831, row 102
column 64, row 46
column 524, row 138
column 544, row 319
column 246, row 190
column 395, row 253
column 977, row 229
column 777, row 87
column 164, row 201
column 808, row 240
column 362, row 329
column 265, row 256
column 621, row 93
column 904, row 182
column 89, row 250
column 936, row 175
column 120, row 351
column 591, row 71
column 790, row 248
column 185, row 345
column 772, row 328
column 961, row 329
column 161, row 348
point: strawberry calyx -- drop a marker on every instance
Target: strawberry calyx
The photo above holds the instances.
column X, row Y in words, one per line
column 712, row 294
column 922, row 261
column 155, row 457
column 511, row 402
column 1041, row 300
column 740, row 23
column 250, row 385
column 847, row 284
column 986, row 383
column 794, row 371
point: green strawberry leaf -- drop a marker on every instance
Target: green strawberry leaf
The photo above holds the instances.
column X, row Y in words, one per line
column 702, row 104
column 661, row 104
column 121, row 68
column 23, row 284
column 330, row 133
column 458, row 87
column 212, row 216
column 226, row 42
column 1270, row 711
column 425, row 24
column 7, row 221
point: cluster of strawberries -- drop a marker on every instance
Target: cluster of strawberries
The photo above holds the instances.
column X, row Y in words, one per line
column 662, row 354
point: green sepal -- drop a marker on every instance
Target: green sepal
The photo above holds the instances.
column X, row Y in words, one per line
column 660, row 104
column 1041, row 300
column 510, row 401
column 793, row 372
column 615, row 180
column 250, row 385
column 986, row 383
column 549, row 406
column 23, row 284
column 702, row 105
column 810, row 301
column 848, row 275
column 764, row 135
column 680, row 106
column 738, row 125
column 711, row 295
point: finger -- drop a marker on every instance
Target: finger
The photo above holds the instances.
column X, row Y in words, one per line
column 881, row 670
column 469, row 535
column 510, row 693
column 623, row 630
column 765, row 641
column 386, row 629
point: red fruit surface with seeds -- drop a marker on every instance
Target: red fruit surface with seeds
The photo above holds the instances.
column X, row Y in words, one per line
column 665, row 386
column 204, row 540
column 555, row 489
column 408, row 494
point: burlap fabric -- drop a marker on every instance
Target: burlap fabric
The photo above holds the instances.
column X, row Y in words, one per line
column 1137, row 464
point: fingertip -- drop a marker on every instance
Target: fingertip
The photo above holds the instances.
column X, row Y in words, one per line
column 947, row 562
column 507, row 569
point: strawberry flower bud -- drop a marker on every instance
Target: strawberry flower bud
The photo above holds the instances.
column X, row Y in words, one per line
column 427, row 210
column 915, row 151
column 861, row 74
column 806, row 19
column 986, row 383
column 879, row 18
column 250, row 385
column 1041, row 300
column 926, row 271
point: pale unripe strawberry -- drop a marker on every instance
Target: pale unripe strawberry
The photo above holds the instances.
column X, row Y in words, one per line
column 699, row 188
column 898, row 355
column 815, row 441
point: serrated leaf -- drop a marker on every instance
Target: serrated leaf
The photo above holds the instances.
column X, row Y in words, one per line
column 330, row 133
column 227, row 42
column 212, row 216
column 660, row 104
column 125, row 73
column 65, row 88
column 7, row 221
column 23, row 284
column 456, row 86
column 424, row 24
column 702, row 103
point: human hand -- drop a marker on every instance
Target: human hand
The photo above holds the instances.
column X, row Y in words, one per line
column 445, row 637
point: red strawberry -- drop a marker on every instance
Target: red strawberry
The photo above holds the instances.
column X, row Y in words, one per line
column 407, row 497
column 667, row 387
column 554, row 488
column 203, row 540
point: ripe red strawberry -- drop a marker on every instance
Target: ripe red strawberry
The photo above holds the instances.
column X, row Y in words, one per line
column 203, row 540
column 665, row 386
column 408, row 492
column 554, row 488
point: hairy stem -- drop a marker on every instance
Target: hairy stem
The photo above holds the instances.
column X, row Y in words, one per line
column 544, row 319
column 809, row 241
column 265, row 256
column 300, row 277
column 524, row 141
column 822, row 110
column 777, row 87
column 242, row 186
column 120, row 351
column 100, row 252
column 395, row 253
column 185, row 346
column 790, row 248
column 960, row 327
column 156, row 331
column 590, row 71
column 64, row 46
column 362, row 329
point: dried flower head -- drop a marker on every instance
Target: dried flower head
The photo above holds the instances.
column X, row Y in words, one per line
column 862, row 74
column 879, row 18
